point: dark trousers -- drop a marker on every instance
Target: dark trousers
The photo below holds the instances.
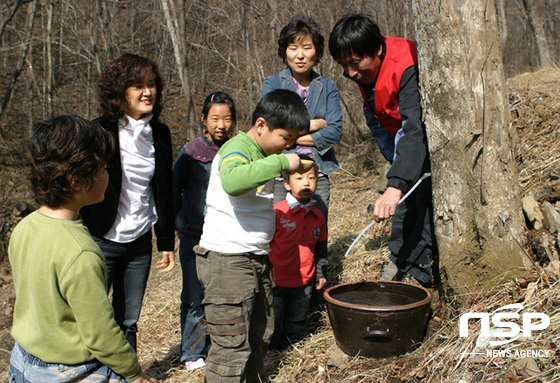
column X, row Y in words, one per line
column 128, row 268
column 193, row 337
column 239, row 314
column 290, row 311
column 412, row 241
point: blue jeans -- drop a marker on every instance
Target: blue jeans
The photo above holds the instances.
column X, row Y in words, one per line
column 26, row 368
column 290, row 310
column 193, row 337
column 128, row 268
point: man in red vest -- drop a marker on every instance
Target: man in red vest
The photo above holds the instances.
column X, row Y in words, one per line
column 386, row 71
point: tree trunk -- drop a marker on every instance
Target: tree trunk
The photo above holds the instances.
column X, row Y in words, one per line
column 30, row 95
column 179, row 51
column 502, row 21
column 25, row 46
column 477, row 202
column 60, row 57
column 49, row 79
column 541, row 41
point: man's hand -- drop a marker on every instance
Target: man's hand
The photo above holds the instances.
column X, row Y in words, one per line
column 321, row 283
column 386, row 205
column 167, row 261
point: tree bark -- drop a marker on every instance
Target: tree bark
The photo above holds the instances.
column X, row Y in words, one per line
column 477, row 202
column 502, row 21
column 543, row 50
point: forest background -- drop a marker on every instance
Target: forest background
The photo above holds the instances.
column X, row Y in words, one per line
column 51, row 52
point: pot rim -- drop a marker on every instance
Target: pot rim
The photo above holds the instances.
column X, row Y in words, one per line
column 425, row 301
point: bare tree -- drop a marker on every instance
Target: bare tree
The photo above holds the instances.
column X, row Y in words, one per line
column 175, row 21
column 200, row 46
column 9, row 13
column 30, row 95
column 541, row 41
column 24, row 49
column 502, row 21
column 48, row 59
column 477, row 207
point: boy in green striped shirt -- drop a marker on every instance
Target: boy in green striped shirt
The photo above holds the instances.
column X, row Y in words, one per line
column 232, row 256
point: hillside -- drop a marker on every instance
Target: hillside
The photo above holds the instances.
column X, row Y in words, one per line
column 535, row 100
column 535, row 103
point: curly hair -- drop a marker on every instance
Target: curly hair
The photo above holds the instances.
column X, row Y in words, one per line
column 298, row 27
column 118, row 75
column 65, row 147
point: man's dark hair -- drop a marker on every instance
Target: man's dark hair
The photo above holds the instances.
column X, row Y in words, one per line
column 298, row 27
column 65, row 147
column 355, row 34
column 283, row 109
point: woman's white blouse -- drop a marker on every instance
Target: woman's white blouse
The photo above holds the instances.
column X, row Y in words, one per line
column 136, row 212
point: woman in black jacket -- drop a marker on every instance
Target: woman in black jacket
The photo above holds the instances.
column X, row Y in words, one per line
column 139, row 194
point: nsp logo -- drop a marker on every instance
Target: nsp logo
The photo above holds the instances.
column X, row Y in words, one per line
column 505, row 320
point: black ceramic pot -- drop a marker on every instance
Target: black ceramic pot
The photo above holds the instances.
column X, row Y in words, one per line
column 377, row 318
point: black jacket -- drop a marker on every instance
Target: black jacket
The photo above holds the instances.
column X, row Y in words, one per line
column 99, row 218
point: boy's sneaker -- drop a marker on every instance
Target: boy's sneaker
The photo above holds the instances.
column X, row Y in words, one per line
column 195, row 364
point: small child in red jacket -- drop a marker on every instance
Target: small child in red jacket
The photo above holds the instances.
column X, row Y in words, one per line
column 298, row 254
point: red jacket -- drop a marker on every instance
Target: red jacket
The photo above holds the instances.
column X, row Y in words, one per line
column 400, row 54
column 292, row 251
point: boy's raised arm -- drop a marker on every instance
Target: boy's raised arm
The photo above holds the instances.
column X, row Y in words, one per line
column 239, row 175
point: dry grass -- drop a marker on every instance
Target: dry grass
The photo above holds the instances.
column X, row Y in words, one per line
column 536, row 111
column 536, row 106
column 441, row 357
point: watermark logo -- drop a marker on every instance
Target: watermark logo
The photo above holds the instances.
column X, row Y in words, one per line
column 503, row 319
column 503, row 326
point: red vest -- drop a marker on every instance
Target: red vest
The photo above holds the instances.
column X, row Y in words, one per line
column 400, row 54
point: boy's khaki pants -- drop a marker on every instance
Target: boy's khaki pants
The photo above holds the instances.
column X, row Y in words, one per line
column 239, row 315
